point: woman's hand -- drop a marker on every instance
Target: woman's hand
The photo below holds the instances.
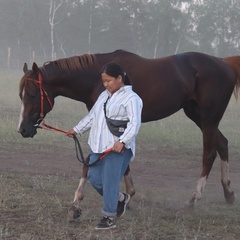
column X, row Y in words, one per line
column 118, row 147
column 70, row 133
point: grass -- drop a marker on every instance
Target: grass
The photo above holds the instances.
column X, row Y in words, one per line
column 34, row 206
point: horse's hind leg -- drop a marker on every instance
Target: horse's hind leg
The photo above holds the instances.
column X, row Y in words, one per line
column 222, row 148
column 209, row 155
column 209, row 132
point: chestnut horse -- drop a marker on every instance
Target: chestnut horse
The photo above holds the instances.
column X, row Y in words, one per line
column 199, row 84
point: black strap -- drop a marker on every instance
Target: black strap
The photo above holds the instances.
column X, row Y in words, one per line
column 81, row 159
column 104, row 106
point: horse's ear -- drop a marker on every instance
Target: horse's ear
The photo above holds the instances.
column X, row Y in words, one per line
column 25, row 68
column 35, row 68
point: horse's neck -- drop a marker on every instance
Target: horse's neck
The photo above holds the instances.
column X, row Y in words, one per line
column 77, row 86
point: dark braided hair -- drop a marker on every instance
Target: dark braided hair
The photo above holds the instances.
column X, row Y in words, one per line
column 114, row 70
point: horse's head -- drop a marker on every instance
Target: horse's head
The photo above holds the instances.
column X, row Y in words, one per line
column 36, row 101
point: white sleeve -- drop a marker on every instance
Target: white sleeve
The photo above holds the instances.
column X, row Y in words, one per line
column 86, row 123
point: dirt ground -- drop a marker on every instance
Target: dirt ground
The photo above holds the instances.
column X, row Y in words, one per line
column 172, row 171
column 30, row 160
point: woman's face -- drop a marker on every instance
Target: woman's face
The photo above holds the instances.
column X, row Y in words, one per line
column 112, row 84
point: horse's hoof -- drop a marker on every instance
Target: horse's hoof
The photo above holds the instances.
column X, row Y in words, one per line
column 74, row 213
column 230, row 198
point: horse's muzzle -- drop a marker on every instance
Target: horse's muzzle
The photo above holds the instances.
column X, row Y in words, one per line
column 26, row 133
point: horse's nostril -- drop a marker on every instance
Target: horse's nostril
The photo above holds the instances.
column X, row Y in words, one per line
column 22, row 131
column 19, row 130
column 25, row 132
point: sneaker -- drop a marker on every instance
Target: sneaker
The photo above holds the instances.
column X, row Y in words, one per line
column 122, row 205
column 106, row 223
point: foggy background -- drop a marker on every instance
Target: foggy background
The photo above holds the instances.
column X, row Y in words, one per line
column 44, row 30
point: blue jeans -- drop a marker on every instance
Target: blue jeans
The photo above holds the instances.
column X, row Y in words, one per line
column 105, row 177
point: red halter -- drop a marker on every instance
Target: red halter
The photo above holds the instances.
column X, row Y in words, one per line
column 42, row 115
column 48, row 127
column 42, row 93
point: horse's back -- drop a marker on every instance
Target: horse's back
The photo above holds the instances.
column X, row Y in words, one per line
column 167, row 84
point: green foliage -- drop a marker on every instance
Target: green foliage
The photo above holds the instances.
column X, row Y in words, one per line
column 212, row 26
column 150, row 28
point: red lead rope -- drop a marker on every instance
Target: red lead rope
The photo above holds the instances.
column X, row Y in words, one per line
column 48, row 127
column 77, row 146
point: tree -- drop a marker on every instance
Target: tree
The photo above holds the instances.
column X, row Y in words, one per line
column 54, row 6
column 214, row 27
column 43, row 30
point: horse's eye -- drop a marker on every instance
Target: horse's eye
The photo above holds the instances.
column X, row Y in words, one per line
column 32, row 96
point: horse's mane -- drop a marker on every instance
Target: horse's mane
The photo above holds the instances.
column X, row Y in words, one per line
column 74, row 63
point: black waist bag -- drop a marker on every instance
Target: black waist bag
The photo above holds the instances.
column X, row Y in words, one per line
column 116, row 127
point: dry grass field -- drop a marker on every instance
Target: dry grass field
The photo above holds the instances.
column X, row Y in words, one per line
column 38, row 178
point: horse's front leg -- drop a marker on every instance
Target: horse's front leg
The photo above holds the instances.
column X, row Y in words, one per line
column 75, row 210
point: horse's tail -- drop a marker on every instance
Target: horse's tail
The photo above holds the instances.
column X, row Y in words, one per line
column 234, row 62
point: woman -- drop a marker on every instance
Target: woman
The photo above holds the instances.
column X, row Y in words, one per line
column 117, row 102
